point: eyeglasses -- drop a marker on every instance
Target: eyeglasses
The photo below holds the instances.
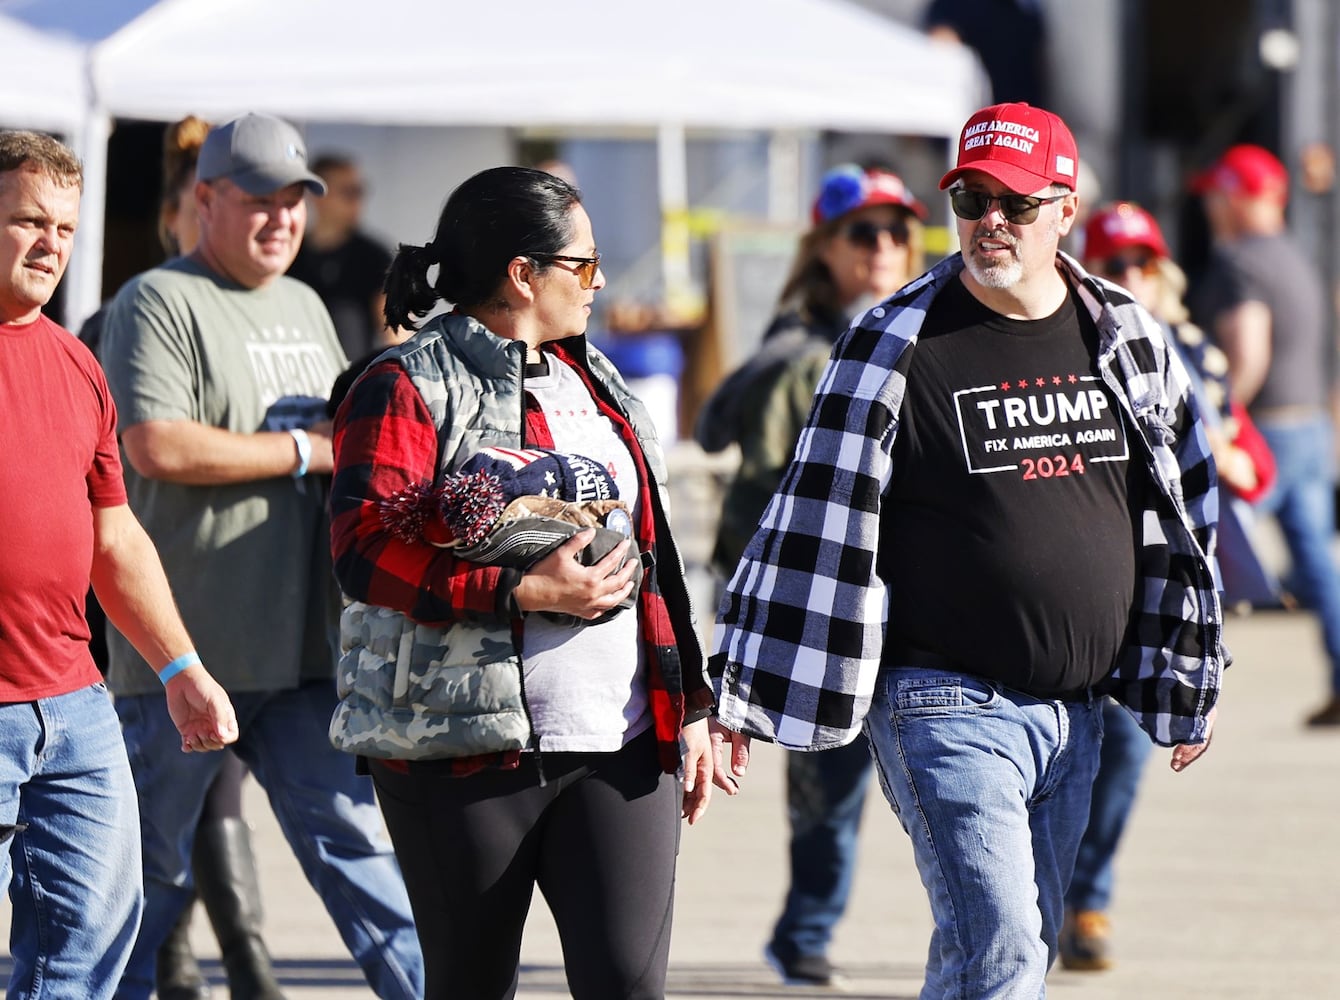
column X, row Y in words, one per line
column 585, row 270
column 1116, row 267
column 1019, row 209
column 865, row 233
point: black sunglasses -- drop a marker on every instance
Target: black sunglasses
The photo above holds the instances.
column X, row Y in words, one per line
column 865, row 233
column 1019, row 209
column 585, row 270
column 1116, row 267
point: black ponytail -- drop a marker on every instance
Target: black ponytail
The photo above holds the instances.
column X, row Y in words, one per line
column 409, row 296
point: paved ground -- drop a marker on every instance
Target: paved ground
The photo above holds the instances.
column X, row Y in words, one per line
column 1228, row 883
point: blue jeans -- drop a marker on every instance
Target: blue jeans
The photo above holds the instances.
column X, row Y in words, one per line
column 326, row 811
column 992, row 785
column 1303, row 501
column 1120, row 764
column 76, row 889
column 825, row 792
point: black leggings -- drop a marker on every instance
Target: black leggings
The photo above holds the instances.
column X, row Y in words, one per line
column 224, row 798
column 599, row 839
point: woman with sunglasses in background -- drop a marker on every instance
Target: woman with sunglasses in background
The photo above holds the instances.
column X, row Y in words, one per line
column 865, row 244
column 1123, row 243
column 510, row 748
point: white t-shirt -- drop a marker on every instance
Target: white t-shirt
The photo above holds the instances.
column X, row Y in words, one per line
column 585, row 687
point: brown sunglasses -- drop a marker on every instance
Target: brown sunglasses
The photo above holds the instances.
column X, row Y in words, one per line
column 585, row 270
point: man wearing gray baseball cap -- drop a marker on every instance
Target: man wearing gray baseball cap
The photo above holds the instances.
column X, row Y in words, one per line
column 220, row 366
column 259, row 154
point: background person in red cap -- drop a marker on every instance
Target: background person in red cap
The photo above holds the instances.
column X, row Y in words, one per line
column 865, row 244
column 1263, row 301
column 999, row 511
column 1124, row 243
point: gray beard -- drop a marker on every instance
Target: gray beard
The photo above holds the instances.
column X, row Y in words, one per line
column 1005, row 275
column 998, row 275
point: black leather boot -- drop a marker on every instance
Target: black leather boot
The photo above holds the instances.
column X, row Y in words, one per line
column 177, row 975
column 225, row 879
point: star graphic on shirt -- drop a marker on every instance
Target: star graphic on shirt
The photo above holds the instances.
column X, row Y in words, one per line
column 549, row 477
column 1072, row 379
column 1023, row 383
column 1005, row 387
column 1056, row 380
column 1040, row 381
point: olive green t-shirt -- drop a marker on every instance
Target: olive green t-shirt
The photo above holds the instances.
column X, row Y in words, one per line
column 249, row 563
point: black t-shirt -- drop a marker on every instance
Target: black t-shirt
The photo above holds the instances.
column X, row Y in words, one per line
column 348, row 278
column 1008, row 540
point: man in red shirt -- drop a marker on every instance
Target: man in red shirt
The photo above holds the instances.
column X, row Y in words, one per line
column 68, row 809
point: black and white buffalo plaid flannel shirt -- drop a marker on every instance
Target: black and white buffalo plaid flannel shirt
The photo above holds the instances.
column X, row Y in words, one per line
column 802, row 622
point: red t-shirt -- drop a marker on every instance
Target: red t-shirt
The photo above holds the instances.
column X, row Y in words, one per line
column 58, row 460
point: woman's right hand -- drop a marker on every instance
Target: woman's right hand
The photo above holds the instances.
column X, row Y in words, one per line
column 558, row 582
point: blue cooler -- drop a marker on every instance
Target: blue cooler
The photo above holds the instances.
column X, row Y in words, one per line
column 651, row 364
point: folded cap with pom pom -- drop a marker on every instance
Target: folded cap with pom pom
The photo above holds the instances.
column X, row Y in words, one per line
column 540, row 472
column 468, row 503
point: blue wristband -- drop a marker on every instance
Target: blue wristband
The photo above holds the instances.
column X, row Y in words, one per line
column 178, row 665
column 304, row 444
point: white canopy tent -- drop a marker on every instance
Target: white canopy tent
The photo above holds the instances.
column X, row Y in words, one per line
column 776, row 65
column 720, row 63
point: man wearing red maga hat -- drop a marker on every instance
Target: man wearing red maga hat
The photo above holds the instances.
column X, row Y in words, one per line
column 999, row 512
column 1264, row 302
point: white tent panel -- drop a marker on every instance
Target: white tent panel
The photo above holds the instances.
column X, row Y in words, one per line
column 707, row 63
column 44, row 81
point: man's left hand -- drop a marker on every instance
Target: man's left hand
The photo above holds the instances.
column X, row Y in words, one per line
column 201, row 711
column 1186, row 754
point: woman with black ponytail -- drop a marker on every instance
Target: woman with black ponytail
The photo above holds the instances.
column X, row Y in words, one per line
column 522, row 730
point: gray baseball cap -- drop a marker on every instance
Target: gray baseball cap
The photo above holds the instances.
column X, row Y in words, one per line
column 259, row 154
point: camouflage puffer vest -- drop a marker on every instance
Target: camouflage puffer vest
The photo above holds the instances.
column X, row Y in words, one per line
column 410, row 691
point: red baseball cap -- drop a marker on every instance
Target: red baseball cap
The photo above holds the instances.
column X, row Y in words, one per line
column 1244, row 169
column 1023, row 147
column 1119, row 227
column 847, row 187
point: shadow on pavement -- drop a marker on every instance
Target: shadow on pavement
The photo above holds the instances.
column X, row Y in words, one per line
column 862, row 981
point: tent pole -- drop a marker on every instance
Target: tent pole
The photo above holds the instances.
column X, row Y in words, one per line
column 83, row 279
column 679, row 295
column 784, row 198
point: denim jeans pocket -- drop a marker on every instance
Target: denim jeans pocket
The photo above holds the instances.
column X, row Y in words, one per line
column 925, row 692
